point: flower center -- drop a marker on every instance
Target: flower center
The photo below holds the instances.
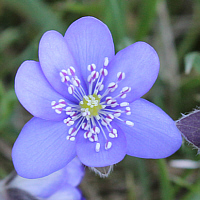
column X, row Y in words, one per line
column 92, row 115
column 90, row 105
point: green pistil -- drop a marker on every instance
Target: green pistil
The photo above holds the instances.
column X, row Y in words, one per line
column 91, row 103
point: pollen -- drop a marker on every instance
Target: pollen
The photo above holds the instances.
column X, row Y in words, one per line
column 90, row 105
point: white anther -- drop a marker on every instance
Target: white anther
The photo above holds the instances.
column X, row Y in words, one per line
column 129, row 123
column 63, row 72
column 112, row 85
column 108, row 145
column 104, row 122
column 53, row 103
column 123, row 95
column 101, row 87
column 76, row 82
column 97, row 148
column 69, row 121
column 106, row 61
column 91, row 139
column 96, row 129
column 87, row 134
column 64, row 76
column 128, row 110
column 68, row 112
column 71, row 130
column 68, row 108
column 114, row 105
column 62, row 103
column 110, row 116
column 58, row 110
column 72, row 114
column 125, row 89
column 120, row 76
column 71, row 138
column 108, row 99
column 71, row 89
column 117, row 113
column 71, row 71
column 91, row 67
column 113, row 133
column 95, row 137
column 89, row 79
column 94, row 75
column 123, row 104
column 85, row 126
column 104, row 72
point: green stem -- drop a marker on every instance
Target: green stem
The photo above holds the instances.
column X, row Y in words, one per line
column 165, row 186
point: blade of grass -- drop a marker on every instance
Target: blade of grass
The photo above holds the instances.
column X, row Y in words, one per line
column 165, row 185
column 147, row 14
column 115, row 18
column 38, row 13
column 169, row 61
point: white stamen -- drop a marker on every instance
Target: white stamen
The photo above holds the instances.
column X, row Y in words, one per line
column 71, row 130
column 91, row 67
column 53, row 103
column 59, row 111
column 87, row 134
column 123, row 104
column 117, row 113
column 71, row 89
column 112, row 85
column 71, row 71
column 76, row 82
column 126, row 89
column 113, row 133
column 104, row 72
column 97, row 148
column 71, row 138
column 129, row 123
column 64, row 72
column 108, row 145
column 106, row 61
column 68, row 121
column 120, row 76
column 123, row 96
column 92, row 125
column 101, row 87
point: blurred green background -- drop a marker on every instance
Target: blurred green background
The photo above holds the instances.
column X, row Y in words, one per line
column 172, row 27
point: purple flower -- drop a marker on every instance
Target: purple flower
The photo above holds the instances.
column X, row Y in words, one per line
column 86, row 103
column 58, row 185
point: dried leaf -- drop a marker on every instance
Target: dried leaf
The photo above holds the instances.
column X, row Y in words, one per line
column 189, row 125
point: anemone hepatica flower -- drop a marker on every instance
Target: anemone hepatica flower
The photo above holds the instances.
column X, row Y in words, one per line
column 60, row 185
column 86, row 103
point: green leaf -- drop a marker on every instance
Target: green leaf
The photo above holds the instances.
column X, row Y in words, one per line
column 147, row 14
column 192, row 60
